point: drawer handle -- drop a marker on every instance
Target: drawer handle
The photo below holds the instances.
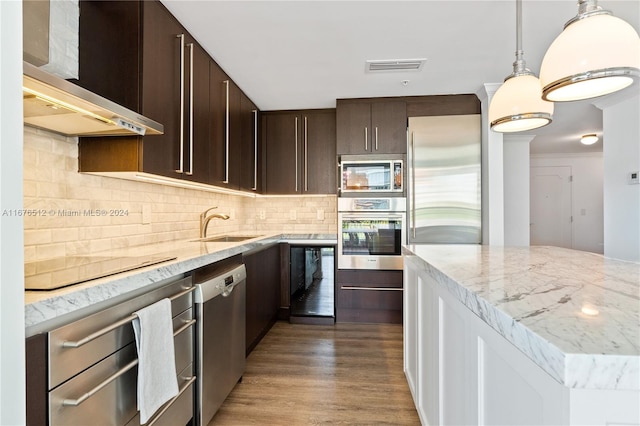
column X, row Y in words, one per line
column 187, row 324
column 351, row 287
column 115, row 325
column 187, row 383
column 83, row 398
column 105, row 382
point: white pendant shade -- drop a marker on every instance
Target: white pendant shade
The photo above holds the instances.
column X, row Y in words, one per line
column 518, row 106
column 593, row 56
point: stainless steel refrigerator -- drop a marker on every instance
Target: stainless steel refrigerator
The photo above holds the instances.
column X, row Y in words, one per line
column 444, row 179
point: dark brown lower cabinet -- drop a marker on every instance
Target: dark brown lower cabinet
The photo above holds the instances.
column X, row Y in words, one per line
column 369, row 296
column 263, row 292
column 36, row 379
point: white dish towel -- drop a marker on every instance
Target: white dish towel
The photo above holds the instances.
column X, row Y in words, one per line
column 157, row 382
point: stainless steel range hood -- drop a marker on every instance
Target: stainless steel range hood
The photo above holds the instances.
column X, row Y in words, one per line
column 55, row 104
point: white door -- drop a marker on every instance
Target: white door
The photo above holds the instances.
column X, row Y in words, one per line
column 551, row 206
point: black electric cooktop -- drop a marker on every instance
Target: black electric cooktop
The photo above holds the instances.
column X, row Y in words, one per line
column 52, row 274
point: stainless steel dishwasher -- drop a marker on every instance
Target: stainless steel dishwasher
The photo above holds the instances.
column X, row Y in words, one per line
column 220, row 309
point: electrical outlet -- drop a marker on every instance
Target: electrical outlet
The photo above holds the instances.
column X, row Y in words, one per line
column 293, row 215
column 320, row 214
column 146, row 214
column 634, row 178
column 262, row 214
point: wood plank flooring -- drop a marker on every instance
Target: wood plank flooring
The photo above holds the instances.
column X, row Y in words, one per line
column 315, row 374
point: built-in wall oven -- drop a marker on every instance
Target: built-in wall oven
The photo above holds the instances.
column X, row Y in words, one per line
column 371, row 232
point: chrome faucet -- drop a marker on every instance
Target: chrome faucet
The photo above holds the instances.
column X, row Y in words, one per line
column 204, row 220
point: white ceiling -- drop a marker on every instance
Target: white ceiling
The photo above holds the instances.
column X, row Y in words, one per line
column 307, row 54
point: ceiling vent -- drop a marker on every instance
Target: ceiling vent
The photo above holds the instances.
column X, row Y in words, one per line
column 394, row 65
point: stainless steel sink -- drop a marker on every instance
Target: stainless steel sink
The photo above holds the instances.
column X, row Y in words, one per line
column 227, row 238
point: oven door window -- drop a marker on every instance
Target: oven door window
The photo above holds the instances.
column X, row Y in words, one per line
column 371, row 237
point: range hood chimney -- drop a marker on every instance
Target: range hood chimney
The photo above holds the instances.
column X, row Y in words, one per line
column 53, row 103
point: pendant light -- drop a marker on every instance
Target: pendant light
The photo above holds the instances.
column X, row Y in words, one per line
column 517, row 105
column 596, row 54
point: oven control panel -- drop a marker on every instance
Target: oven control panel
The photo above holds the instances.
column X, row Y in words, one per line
column 398, row 204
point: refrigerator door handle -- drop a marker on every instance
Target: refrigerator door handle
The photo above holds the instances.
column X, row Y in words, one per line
column 413, row 185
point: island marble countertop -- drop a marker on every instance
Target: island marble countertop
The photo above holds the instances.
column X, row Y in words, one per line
column 46, row 310
column 575, row 314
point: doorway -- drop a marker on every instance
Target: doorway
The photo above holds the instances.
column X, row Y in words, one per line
column 312, row 284
column 551, row 217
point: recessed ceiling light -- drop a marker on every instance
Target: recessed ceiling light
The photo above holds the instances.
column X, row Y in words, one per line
column 589, row 139
column 394, row 65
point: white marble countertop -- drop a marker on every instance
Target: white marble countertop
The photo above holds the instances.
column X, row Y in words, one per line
column 575, row 314
column 45, row 310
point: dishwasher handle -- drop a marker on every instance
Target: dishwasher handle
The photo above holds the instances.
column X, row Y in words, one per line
column 222, row 284
column 226, row 292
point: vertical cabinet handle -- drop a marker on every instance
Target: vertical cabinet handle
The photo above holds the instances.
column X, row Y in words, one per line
column 412, row 152
column 181, row 137
column 296, row 151
column 190, row 172
column 226, row 135
column 376, row 135
column 366, row 137
column 255, row 149
column 306, row 157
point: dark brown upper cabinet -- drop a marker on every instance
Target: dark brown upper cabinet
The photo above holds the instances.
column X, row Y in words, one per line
column 251, row 164
column 174, row 89
column 371, row 126
column 138, row 54
column 300, row 151
column 225, row 129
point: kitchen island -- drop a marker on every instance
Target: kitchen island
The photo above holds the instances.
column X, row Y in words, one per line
column 530, row 335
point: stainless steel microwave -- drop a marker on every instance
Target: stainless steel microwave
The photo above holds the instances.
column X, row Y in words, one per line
column 361, row 176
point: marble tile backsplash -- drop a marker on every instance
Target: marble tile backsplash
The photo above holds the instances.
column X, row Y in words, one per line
column 68, row 213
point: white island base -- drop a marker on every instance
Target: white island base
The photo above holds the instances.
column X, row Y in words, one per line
column 462, row 371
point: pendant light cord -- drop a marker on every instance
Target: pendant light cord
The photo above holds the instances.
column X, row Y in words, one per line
column 519, row 66
column 519, row 52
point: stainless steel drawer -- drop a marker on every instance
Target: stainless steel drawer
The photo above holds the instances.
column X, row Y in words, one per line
column 177, row 412
column 65, row 360
column 113, row 402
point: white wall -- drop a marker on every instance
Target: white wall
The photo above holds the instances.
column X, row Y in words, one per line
column 516, row 190
column 587, row 196
column 621, row 125
column 12, row 383
column 492, row 174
